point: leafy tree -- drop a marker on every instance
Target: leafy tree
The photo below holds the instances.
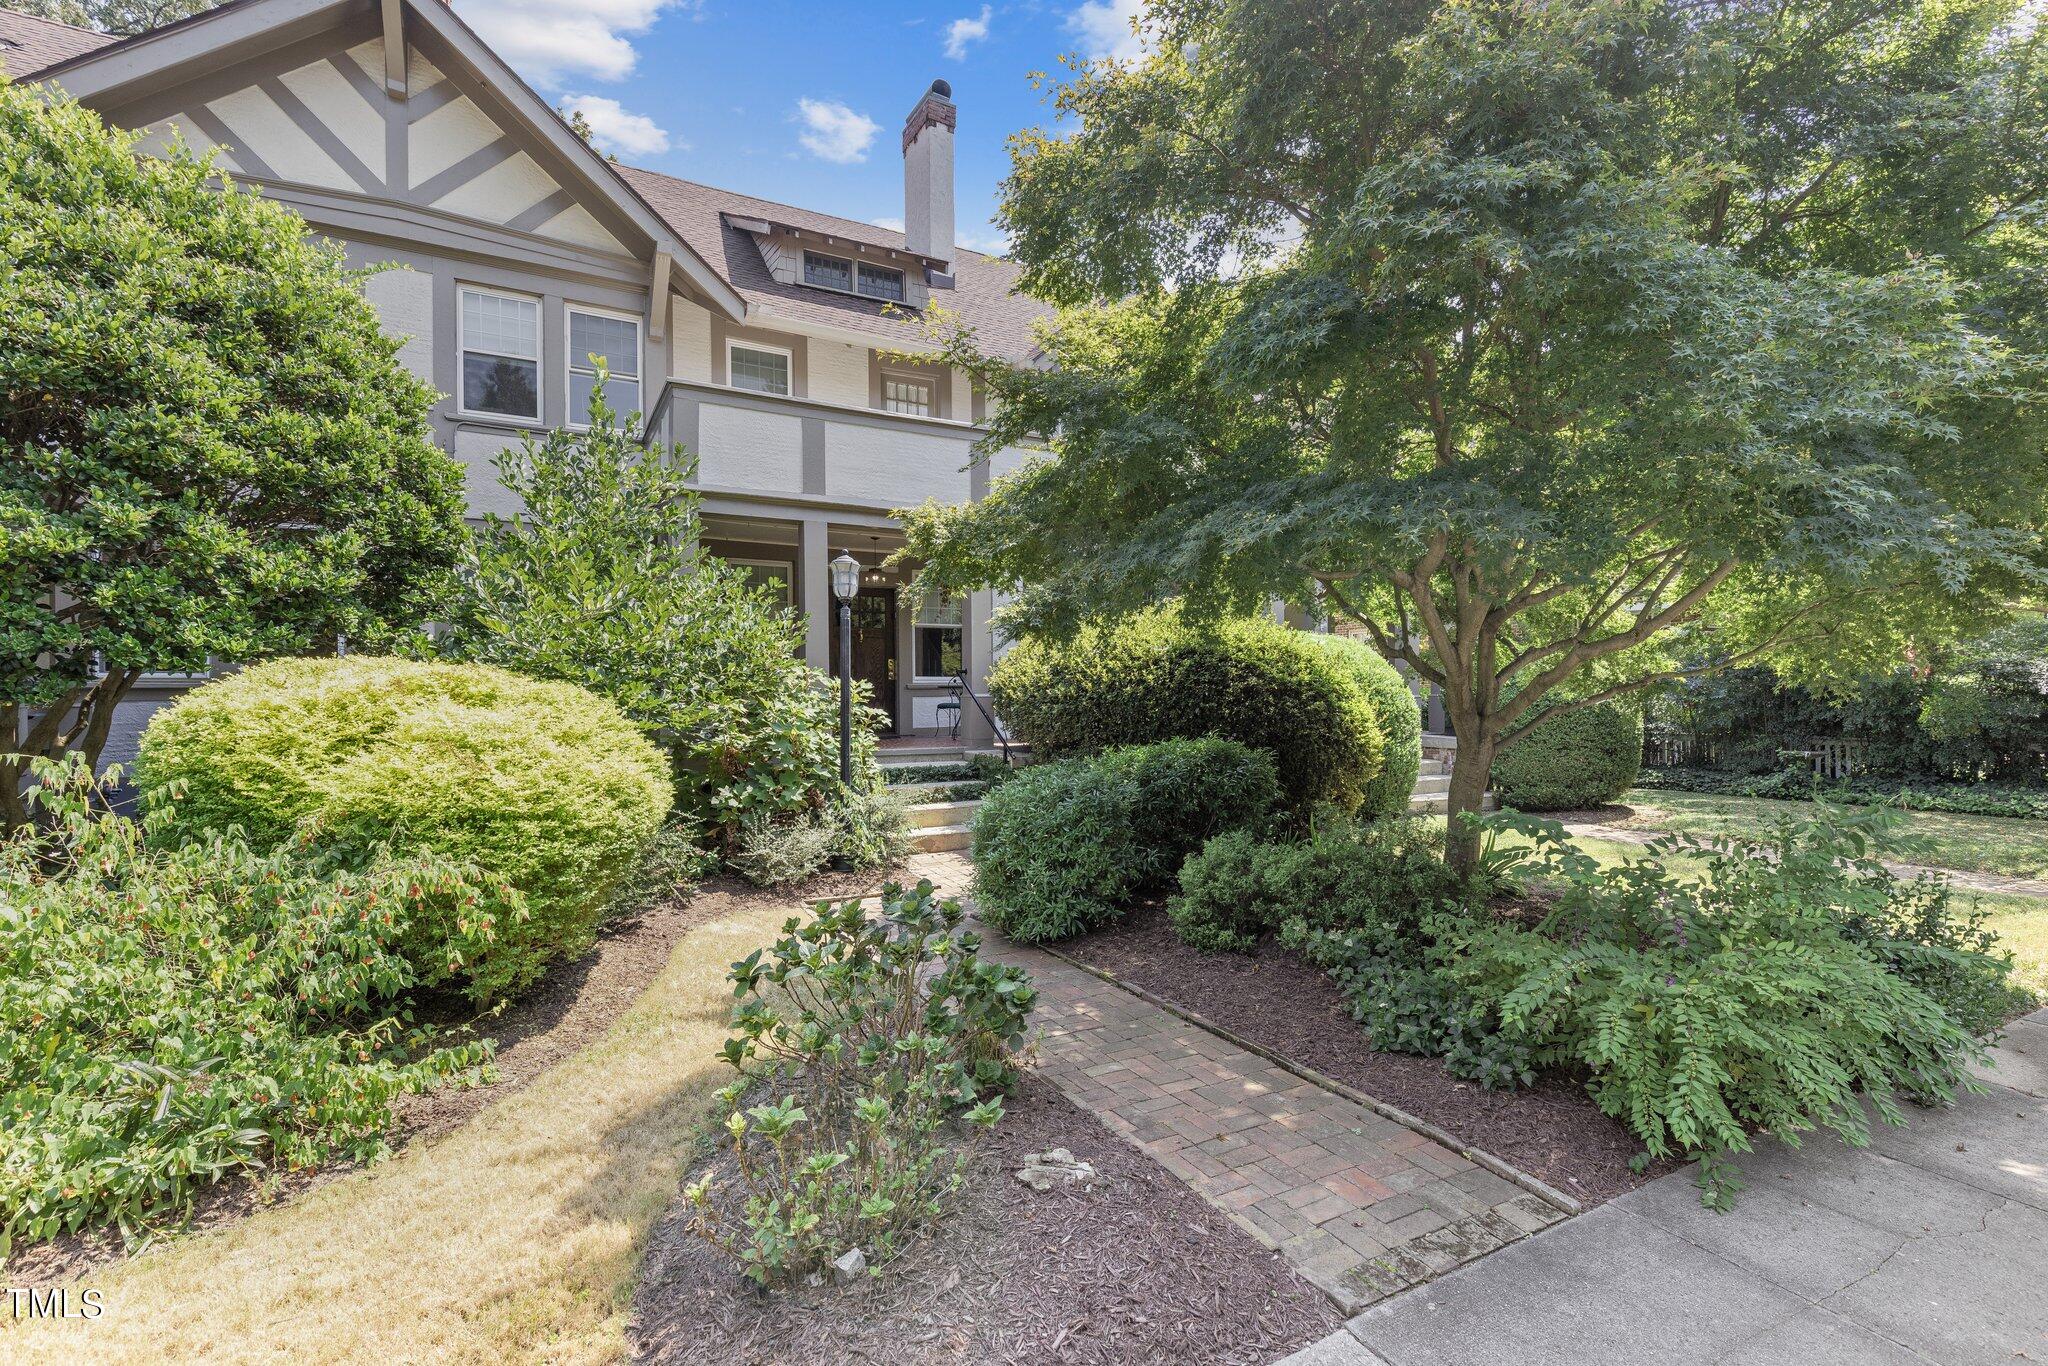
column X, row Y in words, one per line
column 121, row 17
column 1539, row 340
column 602, row 580
column 211, row 450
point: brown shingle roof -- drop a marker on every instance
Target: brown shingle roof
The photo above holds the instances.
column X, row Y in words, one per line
column 984, row 294
column 28, row 44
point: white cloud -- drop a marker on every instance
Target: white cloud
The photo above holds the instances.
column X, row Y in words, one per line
column 1104, row 28
column 991, row 242
column 834, row 132
column 892, row 224
column 548, row 41
column 961, row 32
column 615, row 129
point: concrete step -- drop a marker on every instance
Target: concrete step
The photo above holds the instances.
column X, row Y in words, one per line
column 1429, row 784
column 918, row 792
column 939, row 839
column 1433, row 767
column 930, row 815
column 908, row 755
column 1437, row 803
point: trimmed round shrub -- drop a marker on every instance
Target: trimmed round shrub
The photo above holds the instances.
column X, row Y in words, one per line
column 1570, row 762
column 1156, row 677
column 1399, row 717
column 1063, row 847
column 544, row 784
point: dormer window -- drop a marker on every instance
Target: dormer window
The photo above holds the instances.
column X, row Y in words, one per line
column 828, row 272
column 881, row 282
column 847, row 276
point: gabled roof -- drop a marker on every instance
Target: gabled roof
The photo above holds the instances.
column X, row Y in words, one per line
column 721, row 261
column 984, row 294
column 29, row 43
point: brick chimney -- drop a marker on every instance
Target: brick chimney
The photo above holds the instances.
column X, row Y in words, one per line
column 928, row 174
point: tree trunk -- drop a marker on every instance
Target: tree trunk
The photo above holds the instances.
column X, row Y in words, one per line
column 79, row 724
column 1471, row 767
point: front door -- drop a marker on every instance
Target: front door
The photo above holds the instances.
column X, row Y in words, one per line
column 874, row 647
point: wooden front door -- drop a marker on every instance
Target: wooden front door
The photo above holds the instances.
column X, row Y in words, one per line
column 874, row 647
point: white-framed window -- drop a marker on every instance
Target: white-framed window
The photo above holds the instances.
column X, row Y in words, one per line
column 828, row 272
column 764, row 369
column 499, row 338
column 613, row 338
column 936, row 636
column 881, row 282
column 777, row 576
column 906, row 394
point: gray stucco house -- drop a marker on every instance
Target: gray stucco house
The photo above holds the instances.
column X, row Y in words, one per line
column 754, row 333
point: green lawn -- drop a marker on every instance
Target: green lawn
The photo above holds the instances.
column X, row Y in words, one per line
column 1974, row 844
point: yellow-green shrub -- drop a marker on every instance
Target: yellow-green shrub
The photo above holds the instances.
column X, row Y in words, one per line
column 544, row 783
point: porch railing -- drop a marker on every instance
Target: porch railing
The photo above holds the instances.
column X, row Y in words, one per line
column 995, row 727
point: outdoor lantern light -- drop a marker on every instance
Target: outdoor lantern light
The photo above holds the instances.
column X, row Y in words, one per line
column 845, row 587
column 845, row 577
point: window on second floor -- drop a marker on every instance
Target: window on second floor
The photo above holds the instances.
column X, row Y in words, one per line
column 907, row 394
column 500, row 342
column 615, row 340
column 764, row 369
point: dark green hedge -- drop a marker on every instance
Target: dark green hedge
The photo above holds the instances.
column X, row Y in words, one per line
column 1155, row 677
column 1572, row 761
column 1063, row 847
column 1974, row 799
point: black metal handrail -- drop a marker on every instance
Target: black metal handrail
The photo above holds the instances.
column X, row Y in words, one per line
column 995, row 727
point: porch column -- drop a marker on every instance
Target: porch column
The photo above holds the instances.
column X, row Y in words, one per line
column 814, row 582
column 977, row 649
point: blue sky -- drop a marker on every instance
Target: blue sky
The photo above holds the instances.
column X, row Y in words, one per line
column 801, row 101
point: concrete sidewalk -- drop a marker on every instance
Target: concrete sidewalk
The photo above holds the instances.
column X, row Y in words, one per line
column 1930, row 1246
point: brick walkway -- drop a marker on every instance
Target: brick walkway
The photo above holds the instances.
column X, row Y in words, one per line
column 1360, row 1205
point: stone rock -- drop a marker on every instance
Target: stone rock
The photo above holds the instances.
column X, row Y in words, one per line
column 850, row 1265
column 1055, row 1167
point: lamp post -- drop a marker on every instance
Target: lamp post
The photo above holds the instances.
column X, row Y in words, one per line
column 845, row 587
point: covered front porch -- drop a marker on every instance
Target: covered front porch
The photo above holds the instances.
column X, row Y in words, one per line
column 918, row 660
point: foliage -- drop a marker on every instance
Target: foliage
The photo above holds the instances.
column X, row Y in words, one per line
column 877, row 1032
column 1709, row 1010
column 543, row 783
column 866, row 829
column 1538, row 341
column 1395, row 707
column 1987, row 713
column 210, row 448
column 1051, row 858
column 975, row 768
column 170, row 1016
column 1162, row 676
column 1791, row 784
column 672, row 864
column 601, row 580
column 1380, row 878
column 1063, row 847
column 1975, row 712
column 1572, row 761
column 123, row 17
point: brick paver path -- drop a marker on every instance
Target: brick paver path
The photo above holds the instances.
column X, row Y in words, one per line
column 1360, row 1205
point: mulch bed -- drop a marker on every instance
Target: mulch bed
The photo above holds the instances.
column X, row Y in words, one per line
column 570, row 1007
column 1139, row 1269
column 1553, row 1130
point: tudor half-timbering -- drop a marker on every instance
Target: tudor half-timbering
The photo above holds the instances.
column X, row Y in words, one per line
column 761, row 336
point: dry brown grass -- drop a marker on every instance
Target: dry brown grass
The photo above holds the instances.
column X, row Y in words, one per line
column 515, row 1238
